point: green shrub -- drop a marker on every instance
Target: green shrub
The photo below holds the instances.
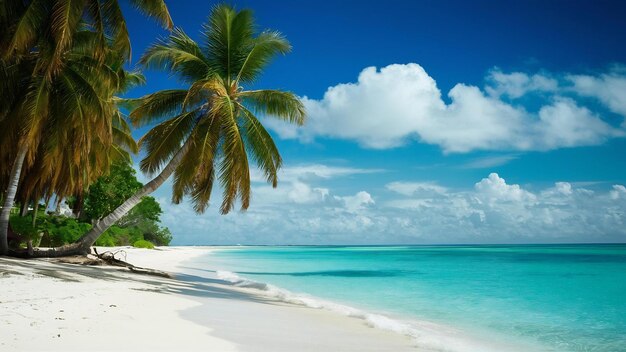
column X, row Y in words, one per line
column 106, row 240
column 23, row 226
column 143, row 244
column 160, row 237
column 56, row 230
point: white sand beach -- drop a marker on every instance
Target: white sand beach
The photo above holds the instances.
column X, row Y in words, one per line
column 48, row 306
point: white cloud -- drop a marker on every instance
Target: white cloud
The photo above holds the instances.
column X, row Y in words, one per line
column 564, row 124
column 357, row 202
column 564, row 188
column 300, row 192
column 489, row 161
column 411, row 188
column 493, row 210
column 494, row 188
column 294, row 184
column 609, row 88
column 389, row 107
column 517, row 84
column 618, row 192
column 322, row 171
column 496, row 211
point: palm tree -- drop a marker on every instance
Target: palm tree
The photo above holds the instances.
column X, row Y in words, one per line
column 77, row 113
column 209, row 130
column 40, row 33
column 77, row 151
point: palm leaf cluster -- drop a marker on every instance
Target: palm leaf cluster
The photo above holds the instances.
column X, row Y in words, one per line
column 71, row 122
column 212, row 125
column 61, row 64
column 51, row 25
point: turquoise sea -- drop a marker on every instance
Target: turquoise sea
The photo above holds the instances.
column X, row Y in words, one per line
column 453, row 298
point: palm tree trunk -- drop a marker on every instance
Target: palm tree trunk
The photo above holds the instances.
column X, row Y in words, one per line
column 35, row 209
column 24, row 208
column 82, row 246
column 78, row 205
column 14, row 180
column 90, row 237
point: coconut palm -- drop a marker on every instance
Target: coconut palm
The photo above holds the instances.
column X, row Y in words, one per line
column 210, row 130
column 77, row 113
column 77, row 151
column 36, row 37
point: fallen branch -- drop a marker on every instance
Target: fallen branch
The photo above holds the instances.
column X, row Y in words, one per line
column 109, row 258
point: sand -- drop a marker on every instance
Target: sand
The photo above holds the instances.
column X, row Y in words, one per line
column 48, row 306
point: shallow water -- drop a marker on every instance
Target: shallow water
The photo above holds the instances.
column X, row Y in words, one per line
column 550, row 297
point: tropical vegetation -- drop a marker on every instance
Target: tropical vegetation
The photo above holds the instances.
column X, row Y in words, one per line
column 142, row 223
column 62, row 68
column 61, row 64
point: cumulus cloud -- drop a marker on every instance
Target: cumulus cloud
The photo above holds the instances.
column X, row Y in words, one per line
column 498, row 211
column 389, row 107
column 564, row 124
column 491, row 210
column 608, row 88
column 356, row 202
column 494, row 188
column 295, row 183
column 618, row 192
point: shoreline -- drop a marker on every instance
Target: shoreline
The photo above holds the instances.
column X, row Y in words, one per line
column 48, row 306
column 425, row 335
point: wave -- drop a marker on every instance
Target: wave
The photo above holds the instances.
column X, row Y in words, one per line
column 426, row 335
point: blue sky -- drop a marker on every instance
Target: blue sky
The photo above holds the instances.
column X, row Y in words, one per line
column 431, row 122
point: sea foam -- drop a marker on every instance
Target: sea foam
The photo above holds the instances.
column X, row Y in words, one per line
column 427, row 336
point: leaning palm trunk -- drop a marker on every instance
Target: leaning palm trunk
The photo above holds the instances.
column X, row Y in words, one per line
column 83, row 245
column 90, row 237
column 10, row 197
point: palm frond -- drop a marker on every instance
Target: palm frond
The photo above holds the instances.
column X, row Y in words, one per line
column 94, row 10
column 155, row 9
column 36, row 105
column 90, row 90
column 234, row 174
column 262, row 50
column 284, row 105
column 86, row 43
column 203, row 186
column 202, row 89
column 122, row 136
column 179, row 54
column 116, row 26
column 196, row 173
column 64, row 21
column 130, row 80
column 156, row 106
column 227, row 34
column 262, row 147
column 164, row 140
column 29, row 27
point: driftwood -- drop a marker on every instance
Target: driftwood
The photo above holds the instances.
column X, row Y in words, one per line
column 108, row 258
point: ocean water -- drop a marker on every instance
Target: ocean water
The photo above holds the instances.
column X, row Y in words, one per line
column 453, row 298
